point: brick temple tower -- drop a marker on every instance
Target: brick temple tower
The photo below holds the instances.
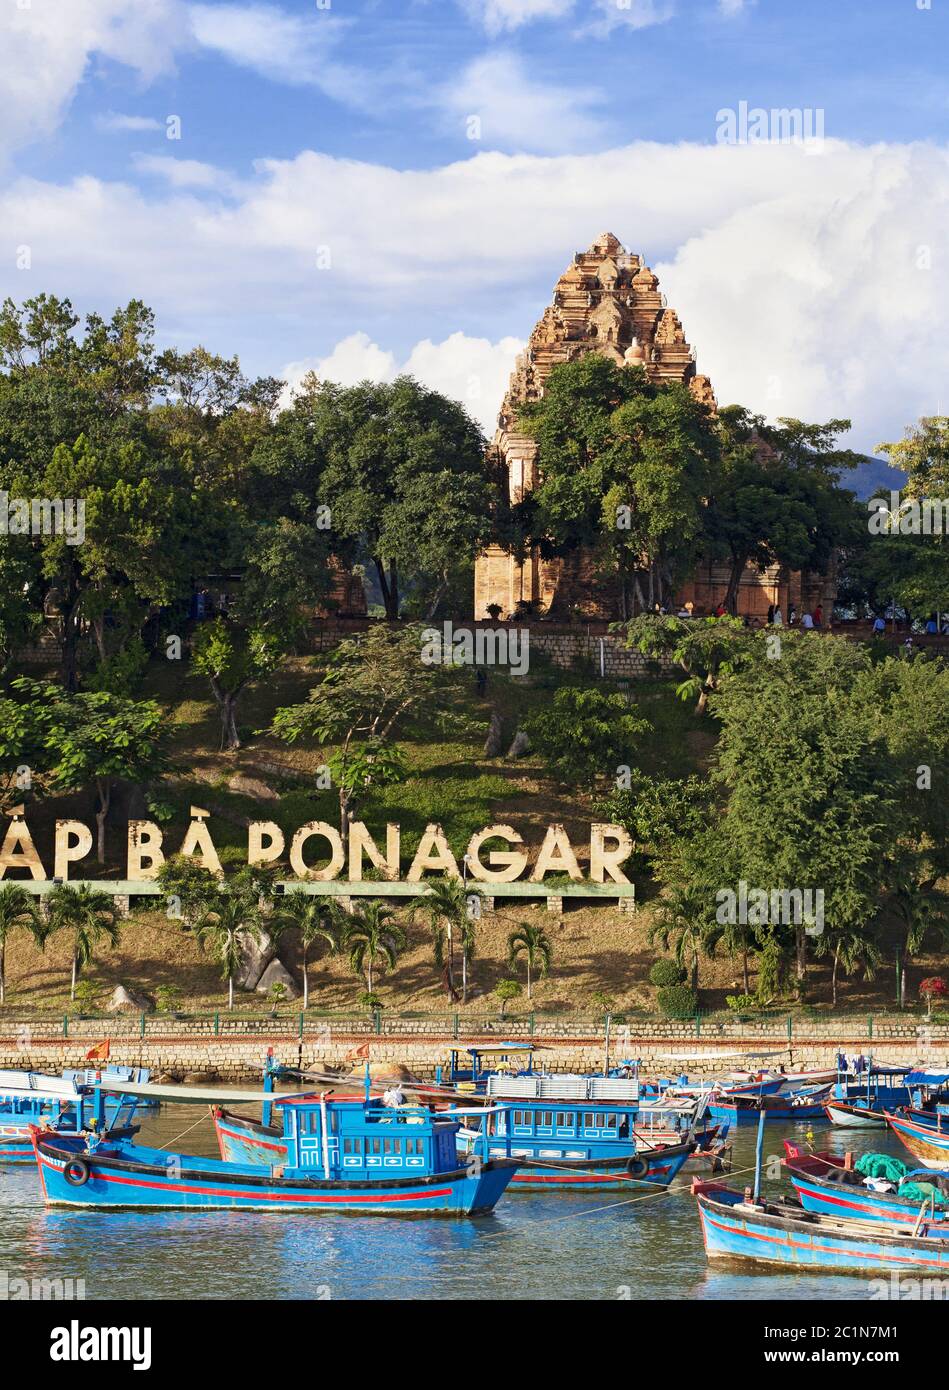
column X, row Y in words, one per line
column 606, row 301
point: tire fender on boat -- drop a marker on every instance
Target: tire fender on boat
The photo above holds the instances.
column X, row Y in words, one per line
column 637, row 1167
column 76, row 1172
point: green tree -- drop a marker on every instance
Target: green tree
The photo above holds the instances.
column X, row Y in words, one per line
column 535, row 946
column 372, row 685
column 95, row 737
column 373, row 934
column 90, row 916
column 233, row 657
column 18, row 911
column 706, row 650
column 309, row 917
column 404, row 477
column 625, row 468
column 585, row 734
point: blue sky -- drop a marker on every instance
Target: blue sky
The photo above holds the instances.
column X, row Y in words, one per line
column 326, row 205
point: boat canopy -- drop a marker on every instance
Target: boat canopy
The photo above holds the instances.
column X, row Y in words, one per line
column 487, row 1049
column 563, row 1088
column 927, row 1078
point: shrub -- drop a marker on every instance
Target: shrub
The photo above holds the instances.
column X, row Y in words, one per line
column 167, row 999
column 505, row 990
column 665, row 973
column 741, row 1003
column 371, row 1001
column 678, row 1001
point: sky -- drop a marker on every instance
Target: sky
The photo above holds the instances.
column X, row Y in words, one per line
column 363, row 187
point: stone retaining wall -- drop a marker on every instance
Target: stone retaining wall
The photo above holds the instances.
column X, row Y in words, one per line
column 237, row 1053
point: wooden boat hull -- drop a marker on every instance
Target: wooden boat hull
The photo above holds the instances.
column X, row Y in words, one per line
column 924, row 1142
column 847, row 1116
column 243, row 1140
column 653, row 1168
column 16, row 1146
column 855, row 1202
column 769, row 1236
column 127, row 1175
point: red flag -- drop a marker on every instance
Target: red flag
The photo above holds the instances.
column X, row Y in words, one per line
column 99, row 1053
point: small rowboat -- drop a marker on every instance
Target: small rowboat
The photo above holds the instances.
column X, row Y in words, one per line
column 825, row 1183
column 848, row 1116
column 782, row 1233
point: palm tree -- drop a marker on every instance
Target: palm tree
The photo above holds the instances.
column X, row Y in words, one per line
column 372, row 934
column 225, row 924
column 313, row 920
column 89, row 915
column 853, row 950
column 533, row 944
column 446, row 905
column 17, row 909
column 682, row 922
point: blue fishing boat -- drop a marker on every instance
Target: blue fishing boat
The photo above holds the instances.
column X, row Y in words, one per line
column 835, row 1186
column 738, row 1227
column 342, row 1155
column 859, row 1102
column 740, row 1110
column 572, row 1133
column 30, row 1098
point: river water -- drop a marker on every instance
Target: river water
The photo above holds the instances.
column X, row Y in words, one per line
column 543, row 1246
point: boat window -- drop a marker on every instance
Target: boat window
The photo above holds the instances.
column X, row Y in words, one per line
column 413, row 1146
column 352, row 1146
column 564, row 1120
column 392, row 1146
column 311, row 1122
column 374, row 1146
column 589, row 1120
column 545, row 1117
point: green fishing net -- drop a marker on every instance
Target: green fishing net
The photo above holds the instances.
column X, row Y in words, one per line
column 881, row 1166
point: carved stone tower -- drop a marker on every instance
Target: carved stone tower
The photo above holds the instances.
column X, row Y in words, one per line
column 606, row 301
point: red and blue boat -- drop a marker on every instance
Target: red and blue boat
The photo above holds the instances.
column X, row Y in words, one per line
column 341, row 1156
column 926, row 1136
column 832, row 1185
column 736, row 1226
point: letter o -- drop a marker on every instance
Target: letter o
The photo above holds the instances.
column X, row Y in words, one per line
column 337, row 855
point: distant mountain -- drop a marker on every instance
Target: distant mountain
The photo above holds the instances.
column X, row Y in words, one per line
column 872, row 475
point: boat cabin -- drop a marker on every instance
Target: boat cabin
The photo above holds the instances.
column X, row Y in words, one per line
column 355, row 1139
column 470, row 1067
column 561, row 1116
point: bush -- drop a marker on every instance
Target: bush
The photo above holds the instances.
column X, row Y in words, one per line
column 678, row 1001
column 665, row 973
column 741, row 1003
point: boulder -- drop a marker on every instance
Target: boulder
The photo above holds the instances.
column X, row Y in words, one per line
column 127, row 1001
column 255, row 957
column 278, row 974
column 492, row 744
column 245, row 785
column 521, row 745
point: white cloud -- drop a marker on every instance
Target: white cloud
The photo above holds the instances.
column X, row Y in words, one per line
column 801, row 279
column 499, row 15
column 474, row 371
column 185, row 173
column 114, row 121
column 516, row 112
column 296, row 49
column 47, row 47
